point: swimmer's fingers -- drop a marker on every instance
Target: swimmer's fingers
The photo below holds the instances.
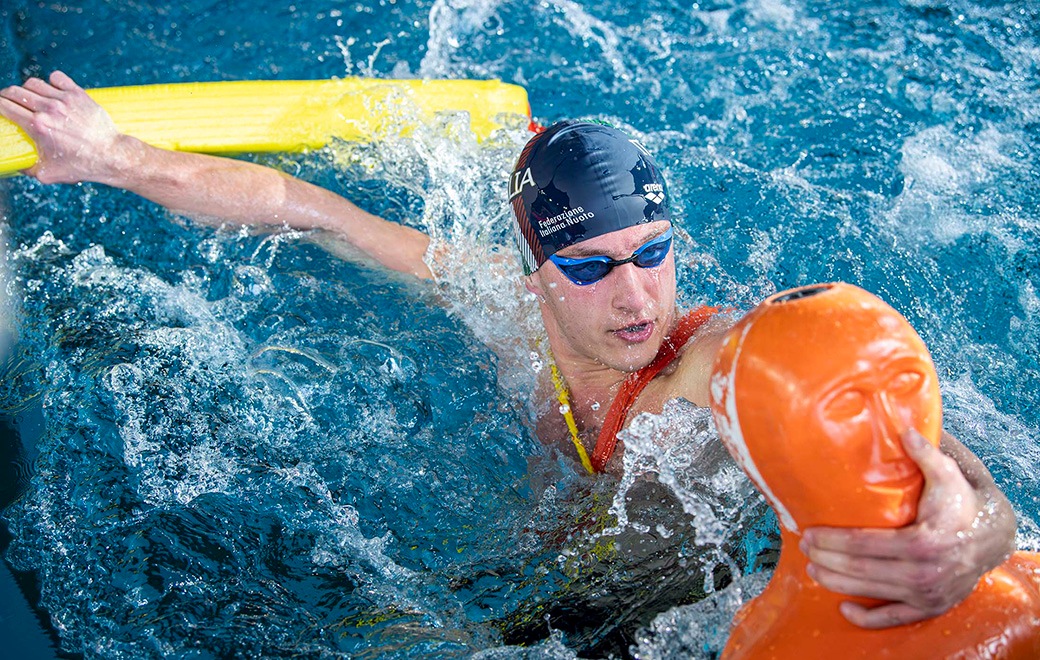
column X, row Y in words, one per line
column 884, row 616
column 61, row 80
column 12, row 109
column 911, row 588
column 42, row 90
column 820, row 543
column 919, row 566
column 36, row 95
column 910, row 582
column 20, row 99
column 61, row 98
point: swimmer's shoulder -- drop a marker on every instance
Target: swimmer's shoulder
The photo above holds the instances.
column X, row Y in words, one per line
column 693, row 373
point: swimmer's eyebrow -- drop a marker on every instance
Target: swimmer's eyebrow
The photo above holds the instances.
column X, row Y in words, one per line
column 579, row 252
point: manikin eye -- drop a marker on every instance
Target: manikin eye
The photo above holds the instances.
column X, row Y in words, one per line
column 905, row 383
column 845, row 405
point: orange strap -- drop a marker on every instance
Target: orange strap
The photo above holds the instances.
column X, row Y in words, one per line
column 637, row 382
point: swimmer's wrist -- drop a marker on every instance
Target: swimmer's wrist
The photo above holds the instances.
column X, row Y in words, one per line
column 124, row 164
column 997, row 514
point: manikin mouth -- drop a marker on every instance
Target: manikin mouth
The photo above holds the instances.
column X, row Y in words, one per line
column 894, row 477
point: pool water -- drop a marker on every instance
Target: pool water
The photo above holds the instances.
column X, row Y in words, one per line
column 218, row 442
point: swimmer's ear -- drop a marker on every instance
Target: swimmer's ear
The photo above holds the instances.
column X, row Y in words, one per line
column 534, row 285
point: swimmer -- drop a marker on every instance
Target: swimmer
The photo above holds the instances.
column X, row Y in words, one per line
column 817, row 427
column 594, row 230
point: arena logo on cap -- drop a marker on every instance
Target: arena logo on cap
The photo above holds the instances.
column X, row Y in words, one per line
column 518, row 180
column 653, row 192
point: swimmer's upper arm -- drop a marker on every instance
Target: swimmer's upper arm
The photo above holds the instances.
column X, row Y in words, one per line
column 393, row 245
column 693, row 376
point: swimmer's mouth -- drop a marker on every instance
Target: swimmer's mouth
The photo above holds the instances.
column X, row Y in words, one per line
column 637, row 332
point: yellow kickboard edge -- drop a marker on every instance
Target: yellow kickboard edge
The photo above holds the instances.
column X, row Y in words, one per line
column 283, row 115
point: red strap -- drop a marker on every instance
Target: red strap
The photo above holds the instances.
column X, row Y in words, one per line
column 637, row 382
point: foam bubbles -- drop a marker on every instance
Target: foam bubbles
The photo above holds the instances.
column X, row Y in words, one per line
column 1008, row 446
column 777, row 12
column 950, row 178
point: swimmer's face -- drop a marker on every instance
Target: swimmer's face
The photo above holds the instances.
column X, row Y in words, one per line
column 619, row 321
column 831, row 395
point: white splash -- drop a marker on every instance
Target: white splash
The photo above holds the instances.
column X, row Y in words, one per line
column 680, row 450
column 8, row 296
column 946, row 175
column 698, row 631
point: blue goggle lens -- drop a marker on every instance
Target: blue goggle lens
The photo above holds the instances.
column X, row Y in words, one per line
column 590, row 270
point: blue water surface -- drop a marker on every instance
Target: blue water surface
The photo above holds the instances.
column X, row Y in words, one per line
column 228, row 443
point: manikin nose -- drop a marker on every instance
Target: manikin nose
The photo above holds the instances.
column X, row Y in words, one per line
column 889, row 427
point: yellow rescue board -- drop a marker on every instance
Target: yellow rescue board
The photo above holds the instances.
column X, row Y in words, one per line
column 284, row 115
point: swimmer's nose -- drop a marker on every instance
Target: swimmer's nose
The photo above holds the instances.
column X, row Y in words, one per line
column 630, row 287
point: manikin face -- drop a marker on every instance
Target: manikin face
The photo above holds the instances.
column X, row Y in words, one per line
column 824, row 386
column 619, row 321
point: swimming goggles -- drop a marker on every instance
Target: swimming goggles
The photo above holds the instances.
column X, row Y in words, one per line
column 589, row 270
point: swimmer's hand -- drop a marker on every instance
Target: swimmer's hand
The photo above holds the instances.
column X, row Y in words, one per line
column 75, row 138
column 963, row 529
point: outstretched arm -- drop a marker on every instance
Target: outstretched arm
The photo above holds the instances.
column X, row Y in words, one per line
column 965, row 527
column 77, row 141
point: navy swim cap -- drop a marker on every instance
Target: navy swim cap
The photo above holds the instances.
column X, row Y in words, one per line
column 578, row 180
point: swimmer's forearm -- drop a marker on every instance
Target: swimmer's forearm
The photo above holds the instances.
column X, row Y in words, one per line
column 996, row 512
column 213, row 189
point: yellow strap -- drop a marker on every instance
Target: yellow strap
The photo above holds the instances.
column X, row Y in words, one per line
column 565, row 407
